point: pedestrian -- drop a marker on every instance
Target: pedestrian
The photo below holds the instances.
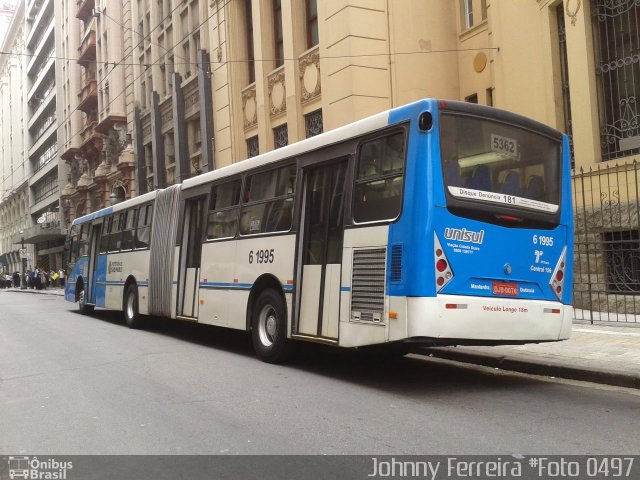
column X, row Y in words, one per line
column 61, row 274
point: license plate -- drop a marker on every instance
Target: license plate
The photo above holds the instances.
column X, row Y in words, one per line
column 505, row 288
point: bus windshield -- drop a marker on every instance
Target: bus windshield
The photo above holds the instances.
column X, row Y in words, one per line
column 487, row 163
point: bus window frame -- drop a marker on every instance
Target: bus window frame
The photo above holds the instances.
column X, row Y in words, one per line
column 129, row 212
column 490, row 212
column 202, row 192
column 265, row 168
column 104, row 234
column 148, row 225
column 222, row 181
column 73, row 244
column 401, row 128
column 84, row 227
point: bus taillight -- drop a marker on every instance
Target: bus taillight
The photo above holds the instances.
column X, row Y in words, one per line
column 557, row 278
column 443, row 270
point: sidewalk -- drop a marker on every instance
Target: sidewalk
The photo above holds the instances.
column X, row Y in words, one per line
column 45, row 291
column 607, row 353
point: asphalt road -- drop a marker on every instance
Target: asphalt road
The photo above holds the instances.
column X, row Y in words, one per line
column 71, row 384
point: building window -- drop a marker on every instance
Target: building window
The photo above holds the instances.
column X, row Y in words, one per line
column 616, row 43
column 253, row 148
column 280, row 136
column 483, row 9
column 471, row 98
column 46, row 187
column 277, row 33
column 466, row 8
column 313, row 124
column 251, row 66
column 312, row 23
column 490, row 97
column 187, row 58
column 622, row 250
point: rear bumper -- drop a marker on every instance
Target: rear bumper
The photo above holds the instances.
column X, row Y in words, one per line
column 490, row 319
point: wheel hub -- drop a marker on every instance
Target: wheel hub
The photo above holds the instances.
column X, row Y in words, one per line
column 271, row 326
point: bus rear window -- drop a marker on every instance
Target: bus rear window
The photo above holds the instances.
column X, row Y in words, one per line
column 487, row 163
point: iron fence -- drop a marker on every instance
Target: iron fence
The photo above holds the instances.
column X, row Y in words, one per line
column 607, row 243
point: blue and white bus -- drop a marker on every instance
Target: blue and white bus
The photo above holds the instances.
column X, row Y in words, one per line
column 435, row 223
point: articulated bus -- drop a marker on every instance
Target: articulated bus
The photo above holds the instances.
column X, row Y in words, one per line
column 435, row 223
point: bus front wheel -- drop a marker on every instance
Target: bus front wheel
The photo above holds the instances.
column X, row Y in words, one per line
column 130, row 307
column 269, row 327
column 82, row 305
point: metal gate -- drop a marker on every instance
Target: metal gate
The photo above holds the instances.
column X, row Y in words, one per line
column 607, row 243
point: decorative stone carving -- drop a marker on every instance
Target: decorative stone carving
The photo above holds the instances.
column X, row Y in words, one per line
column 309, row 67
column 277, row 92
column 572, row 13
column 249, row 107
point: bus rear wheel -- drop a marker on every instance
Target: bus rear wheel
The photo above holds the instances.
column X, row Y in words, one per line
column 130, row 307
column 269, row 327
column 82, row 305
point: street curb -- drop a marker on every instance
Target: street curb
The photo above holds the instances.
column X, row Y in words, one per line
column 606, row 377
column 35, row 292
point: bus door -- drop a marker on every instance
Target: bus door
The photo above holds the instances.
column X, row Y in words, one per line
column 320, row 250
column 94, row 248
column 190, row 255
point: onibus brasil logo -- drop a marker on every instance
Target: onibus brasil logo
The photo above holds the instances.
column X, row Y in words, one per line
column 33, row 468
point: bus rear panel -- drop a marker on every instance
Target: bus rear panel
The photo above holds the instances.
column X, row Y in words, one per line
column 486, row 231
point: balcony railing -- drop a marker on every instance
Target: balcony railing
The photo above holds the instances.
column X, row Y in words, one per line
column 87, row 49
column 88, row 96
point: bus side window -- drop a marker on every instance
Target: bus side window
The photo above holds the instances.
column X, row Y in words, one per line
column 223, row 210
column 115, row 238
column 378, row 188
column 143, row 230
column 84, row 240
column 104, row 237
column 271, row 201
column 129, row 230
column 73, row 245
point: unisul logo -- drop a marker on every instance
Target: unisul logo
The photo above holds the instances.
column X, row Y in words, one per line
column 33, row 468
column 464, row 235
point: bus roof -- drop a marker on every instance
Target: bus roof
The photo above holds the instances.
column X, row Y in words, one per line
column 116, row 208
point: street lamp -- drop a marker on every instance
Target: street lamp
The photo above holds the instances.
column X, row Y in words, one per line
column 23, row 256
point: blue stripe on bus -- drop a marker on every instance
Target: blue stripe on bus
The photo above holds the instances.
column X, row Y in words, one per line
column 345, row 289
column 238, row 286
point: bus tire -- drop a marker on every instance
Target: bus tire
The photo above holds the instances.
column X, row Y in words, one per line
column 269, row 327
column 82, row 306
column 130, row 307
